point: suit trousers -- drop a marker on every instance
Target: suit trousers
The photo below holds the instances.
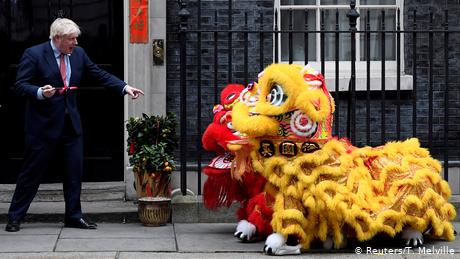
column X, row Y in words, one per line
column 39, row 154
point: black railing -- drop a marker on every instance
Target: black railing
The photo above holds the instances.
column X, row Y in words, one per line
column 183, row 14
column 398, row 113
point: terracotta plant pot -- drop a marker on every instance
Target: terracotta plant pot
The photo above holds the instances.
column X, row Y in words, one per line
column 154, row 211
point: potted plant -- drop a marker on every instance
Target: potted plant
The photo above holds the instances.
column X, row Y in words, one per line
column 151, row 143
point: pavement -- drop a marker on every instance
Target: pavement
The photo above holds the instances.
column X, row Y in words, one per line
column 178, row 240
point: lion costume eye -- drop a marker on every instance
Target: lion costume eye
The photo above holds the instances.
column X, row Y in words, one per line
column 276, row 96
column 230, row 125
column 230, row 96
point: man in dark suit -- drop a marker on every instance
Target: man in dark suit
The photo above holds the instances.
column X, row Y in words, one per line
column 48, row 76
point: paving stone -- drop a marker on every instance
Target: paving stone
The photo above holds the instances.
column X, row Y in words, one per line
column 228, row 228
column 61, row 255
column 35, row 229
column 130, row 255
column 27, row 243
column 222, row 242
column 117, row 244
column 434, row 255
column 112, row 230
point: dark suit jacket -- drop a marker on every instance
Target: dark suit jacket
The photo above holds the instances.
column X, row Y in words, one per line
column 37, row 68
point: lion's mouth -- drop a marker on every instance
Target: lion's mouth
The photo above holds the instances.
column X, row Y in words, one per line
column 237, row 133
column 233, row 130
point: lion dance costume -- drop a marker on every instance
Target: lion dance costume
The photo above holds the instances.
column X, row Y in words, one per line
column 325, row 188
column 222, row 188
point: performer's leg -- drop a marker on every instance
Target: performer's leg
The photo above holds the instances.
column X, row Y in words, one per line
column 260, row 213
column 73, row 160
column 38, row 155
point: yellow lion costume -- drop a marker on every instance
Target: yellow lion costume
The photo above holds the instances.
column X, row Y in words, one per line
column 324, row 187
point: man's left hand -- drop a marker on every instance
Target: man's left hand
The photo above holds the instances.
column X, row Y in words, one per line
column 134, row 92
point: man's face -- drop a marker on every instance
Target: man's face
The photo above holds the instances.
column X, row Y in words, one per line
column 66, row 43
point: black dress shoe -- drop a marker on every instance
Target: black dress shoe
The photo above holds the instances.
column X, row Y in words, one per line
column 13, row 226
column 79, row 223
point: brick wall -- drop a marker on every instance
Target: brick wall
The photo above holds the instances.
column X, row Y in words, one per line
column 254, row 8
column 208, row 21
column 423, row 9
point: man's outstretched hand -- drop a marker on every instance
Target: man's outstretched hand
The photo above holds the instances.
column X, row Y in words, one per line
column 134, row 92
column 48, row 91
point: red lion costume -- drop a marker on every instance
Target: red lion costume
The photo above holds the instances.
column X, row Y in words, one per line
column 222, row 188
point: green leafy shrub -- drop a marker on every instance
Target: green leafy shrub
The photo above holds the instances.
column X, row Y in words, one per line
column 151, row 142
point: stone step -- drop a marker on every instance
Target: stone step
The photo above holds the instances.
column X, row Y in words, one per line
column 98, row 211
column 52, row 192
column 189, row 209
column 185, row 209
column 455, row 200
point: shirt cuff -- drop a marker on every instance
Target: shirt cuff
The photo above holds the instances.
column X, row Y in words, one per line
column 124, row 88
column 40, row 94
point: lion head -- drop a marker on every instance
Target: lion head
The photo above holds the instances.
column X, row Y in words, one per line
column 287, row 101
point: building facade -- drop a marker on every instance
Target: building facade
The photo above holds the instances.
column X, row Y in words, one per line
column 215, row 16
column 105, row 36
column 215, row 59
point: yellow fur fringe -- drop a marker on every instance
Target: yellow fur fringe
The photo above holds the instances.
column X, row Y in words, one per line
column 322, row 192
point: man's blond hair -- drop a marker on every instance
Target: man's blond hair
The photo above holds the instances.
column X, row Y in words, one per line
column 63, row 26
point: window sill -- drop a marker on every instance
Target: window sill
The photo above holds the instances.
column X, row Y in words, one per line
column 361, row 77
column 375, row 83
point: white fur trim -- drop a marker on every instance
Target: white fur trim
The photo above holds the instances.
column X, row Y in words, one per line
column 277, row 243
column 411, row 236
column 245, row 229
